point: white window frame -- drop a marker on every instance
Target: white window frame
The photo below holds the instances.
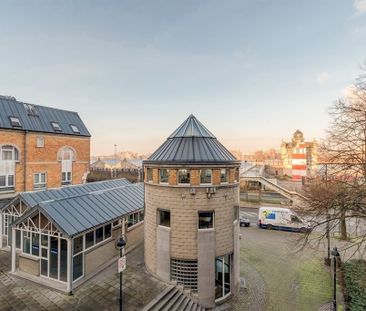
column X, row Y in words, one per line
column 188, row 173
column 227, row 174
column 163, row 182
column 40, row 140
column 11, row 162
column 40, row 185
column 206, row 169
column 74, row 128
column 66, row 175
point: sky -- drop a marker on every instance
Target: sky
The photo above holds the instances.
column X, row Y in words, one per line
column 252, row 71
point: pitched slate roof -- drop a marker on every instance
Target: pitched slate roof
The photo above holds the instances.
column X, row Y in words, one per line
column 32, row 198
column 191, row 142
column 77, row 214
column 37, row 118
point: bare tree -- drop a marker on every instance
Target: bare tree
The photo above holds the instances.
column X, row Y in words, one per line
column 341, row 193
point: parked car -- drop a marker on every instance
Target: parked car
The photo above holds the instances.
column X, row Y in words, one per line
column 244, row 222
column 279, row 218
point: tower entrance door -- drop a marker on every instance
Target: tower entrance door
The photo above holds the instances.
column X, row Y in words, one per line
column 222, row 276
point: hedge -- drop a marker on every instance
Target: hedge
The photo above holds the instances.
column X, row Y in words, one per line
column 355, row 285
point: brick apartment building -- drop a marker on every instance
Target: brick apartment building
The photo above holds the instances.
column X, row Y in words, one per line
column 40, row 148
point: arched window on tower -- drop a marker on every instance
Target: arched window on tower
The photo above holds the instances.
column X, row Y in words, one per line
column 9, row 156
column 66, row 155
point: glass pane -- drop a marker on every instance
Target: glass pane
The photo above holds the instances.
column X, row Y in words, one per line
column 99, row 235
column 36, row 178
column 183, row 177
column 11, row 180
column 205, row 220
column 63, row 260
column 164, row 218
column 35, row 244
column 44, row 267
column 18, row 237
column 78, row 244
column 2, row 181
column 89, row 239
column 77, row 266
column 224, row 175
column 142, row 215
column 26, row 243
column 218, row 278
column 54, row 257
column 7, row 155
column 44, row 240
column 163, row 175
column 206, row 176
column 45, row 252
column 227, row 274
column 107, row 231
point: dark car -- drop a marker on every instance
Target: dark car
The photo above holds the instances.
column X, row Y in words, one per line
column 244, row 222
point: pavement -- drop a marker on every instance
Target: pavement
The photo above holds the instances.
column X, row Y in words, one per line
column 277, row 276
column 101, row 293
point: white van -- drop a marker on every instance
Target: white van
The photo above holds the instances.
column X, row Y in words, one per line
column 279, row 218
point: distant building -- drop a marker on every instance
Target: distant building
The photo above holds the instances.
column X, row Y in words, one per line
column 299, row 157
column 40, row 147
column 116, row 164
column 192, row 211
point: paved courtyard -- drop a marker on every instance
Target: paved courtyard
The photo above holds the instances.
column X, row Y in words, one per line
column 101, row 293
column 277, row 277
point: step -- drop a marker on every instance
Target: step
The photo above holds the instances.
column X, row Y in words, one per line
column 159, row 306
column 158, row 298
column 189, row 305
column 181, row 303
column 172, row 301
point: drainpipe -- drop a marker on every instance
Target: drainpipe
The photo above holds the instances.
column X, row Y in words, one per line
column 25, row 160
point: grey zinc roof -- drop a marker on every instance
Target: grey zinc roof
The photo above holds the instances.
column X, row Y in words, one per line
column 191, row 142
column 41, row 122
column 33, row 198
column 77, row 214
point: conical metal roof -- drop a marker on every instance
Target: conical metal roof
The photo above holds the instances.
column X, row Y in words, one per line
column 191, row 142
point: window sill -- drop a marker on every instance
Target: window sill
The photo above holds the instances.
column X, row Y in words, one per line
column 7, row 190
column 135, row 225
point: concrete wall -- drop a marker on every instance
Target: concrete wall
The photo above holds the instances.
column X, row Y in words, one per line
column 99, row 256
column 206, row 268
column 29, row 264
column 105, row 252
column 163, row 253
column 235, row 275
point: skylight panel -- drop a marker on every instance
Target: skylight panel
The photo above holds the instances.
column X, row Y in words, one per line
column 15, row 122
column 74, row 128
column 56, row 126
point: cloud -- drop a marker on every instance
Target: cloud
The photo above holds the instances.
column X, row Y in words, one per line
column 360, row 6
column 322, row 77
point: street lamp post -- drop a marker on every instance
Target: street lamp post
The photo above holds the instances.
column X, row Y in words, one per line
column 335, row 255
column 120, row 245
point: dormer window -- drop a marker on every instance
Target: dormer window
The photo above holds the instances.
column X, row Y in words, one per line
column 75, row 129
column 15, row 122
column 56, row 126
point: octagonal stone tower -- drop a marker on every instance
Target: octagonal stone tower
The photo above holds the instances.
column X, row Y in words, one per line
column 191, row 213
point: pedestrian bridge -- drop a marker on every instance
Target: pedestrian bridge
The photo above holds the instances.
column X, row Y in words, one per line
column 256, row 174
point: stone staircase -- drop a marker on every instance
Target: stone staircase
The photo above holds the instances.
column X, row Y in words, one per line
column 174, row 298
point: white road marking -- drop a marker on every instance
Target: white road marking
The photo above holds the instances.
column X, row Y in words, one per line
column 249, row 214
